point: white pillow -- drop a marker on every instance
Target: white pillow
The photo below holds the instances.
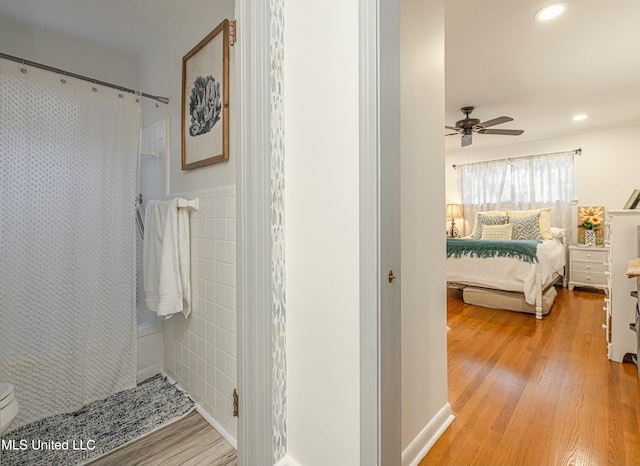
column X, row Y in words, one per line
column 497, row 232
column 557, row 233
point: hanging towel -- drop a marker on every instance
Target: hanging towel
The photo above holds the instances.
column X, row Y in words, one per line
column 165, row 253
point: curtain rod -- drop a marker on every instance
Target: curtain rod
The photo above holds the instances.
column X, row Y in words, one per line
column 577, row 151
column 164, row 100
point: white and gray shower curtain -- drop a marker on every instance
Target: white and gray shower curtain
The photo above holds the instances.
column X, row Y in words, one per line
column 68, row 160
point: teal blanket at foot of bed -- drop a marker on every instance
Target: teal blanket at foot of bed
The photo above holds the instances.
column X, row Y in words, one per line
column 523, row 249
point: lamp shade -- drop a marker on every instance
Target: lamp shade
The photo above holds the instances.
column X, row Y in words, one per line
column 454, row 211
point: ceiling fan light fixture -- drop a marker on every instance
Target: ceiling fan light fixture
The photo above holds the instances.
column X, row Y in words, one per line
column 467, row 126
column 580, row 117
column 550, row 12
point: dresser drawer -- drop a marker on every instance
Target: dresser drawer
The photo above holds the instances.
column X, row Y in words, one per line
column 580, row 266
column 589, row 255
column 588, row 278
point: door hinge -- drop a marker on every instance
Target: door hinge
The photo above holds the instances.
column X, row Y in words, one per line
column 235, row 402
column 232, row 32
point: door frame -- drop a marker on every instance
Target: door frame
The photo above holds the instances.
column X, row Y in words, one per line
column 253, row 198
column 380, row 304
column 380, row 414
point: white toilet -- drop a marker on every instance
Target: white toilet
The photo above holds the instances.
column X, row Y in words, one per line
column 8, row 406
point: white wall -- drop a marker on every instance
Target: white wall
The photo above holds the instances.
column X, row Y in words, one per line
column 160, row 73
column 606, row 172
column 424, row 307
column 322, row 233
column 68, row 55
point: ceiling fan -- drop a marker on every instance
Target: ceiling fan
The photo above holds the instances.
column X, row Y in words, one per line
column 468, row 126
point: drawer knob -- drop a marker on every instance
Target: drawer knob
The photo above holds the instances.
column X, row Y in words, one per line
column 604, row 326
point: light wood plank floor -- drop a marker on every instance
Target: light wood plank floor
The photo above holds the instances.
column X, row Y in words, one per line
column 190, row 441
column 527, row 392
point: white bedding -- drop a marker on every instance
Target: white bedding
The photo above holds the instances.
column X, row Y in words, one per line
column 504, row 273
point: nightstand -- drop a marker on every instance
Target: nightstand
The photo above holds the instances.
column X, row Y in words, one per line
column 587, row 267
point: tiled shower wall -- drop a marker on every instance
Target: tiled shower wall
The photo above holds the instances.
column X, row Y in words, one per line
column 200, row 351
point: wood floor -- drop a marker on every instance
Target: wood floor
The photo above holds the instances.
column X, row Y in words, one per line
column 527, row 392
column 191, row 441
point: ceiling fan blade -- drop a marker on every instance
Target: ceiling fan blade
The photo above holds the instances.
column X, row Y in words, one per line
column 504, row 132
column 452, row 134
column 466, row 140
column 451, row 127
column 495, row 121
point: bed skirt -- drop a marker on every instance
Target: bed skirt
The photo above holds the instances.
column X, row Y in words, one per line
column 507, row 300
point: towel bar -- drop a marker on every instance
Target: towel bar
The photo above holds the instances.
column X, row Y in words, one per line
column 190, row 203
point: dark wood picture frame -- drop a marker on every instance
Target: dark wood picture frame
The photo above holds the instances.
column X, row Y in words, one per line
column 205, row 100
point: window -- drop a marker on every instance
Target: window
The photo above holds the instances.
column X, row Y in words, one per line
column 520, row 183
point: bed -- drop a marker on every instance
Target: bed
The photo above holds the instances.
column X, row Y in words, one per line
column 526, row 266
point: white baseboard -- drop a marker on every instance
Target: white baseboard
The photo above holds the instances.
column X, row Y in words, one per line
column 221, row 430
column 420, row 446
column 287, row 461
column 207, row 417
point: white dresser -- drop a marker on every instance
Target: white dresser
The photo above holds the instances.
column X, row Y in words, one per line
column 588, row 267
column 620, row 306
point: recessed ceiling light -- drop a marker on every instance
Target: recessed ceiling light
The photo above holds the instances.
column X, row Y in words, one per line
column 550, row 11
column 580, row 117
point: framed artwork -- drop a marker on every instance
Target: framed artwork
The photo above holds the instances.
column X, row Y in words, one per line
column 591, row 218
column 634, row 200
column 205, row 100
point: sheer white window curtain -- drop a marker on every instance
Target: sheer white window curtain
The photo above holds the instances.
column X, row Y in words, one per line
column 521, row 183
column 481, row 186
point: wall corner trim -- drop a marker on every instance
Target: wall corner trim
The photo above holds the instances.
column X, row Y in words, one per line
column 287, row 461
column 216, row 425
column 420, row 446
column 205, row 415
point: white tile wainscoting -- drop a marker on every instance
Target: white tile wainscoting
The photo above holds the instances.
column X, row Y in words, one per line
column 200, row 351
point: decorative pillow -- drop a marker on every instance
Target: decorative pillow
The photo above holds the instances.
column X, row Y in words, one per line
column 497, row 232
column 545, row 219
column 488, row 213
column 483, row 220
column 557, row 233
column 526, row 227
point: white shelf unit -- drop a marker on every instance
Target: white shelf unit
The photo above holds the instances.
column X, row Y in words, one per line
column 620, row 306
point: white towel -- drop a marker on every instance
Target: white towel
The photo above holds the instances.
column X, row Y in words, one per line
column 165, row 256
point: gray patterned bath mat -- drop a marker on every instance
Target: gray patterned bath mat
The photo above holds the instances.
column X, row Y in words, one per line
column 97, row 428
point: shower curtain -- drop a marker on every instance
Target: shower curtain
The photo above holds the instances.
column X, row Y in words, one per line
column 68, row 160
